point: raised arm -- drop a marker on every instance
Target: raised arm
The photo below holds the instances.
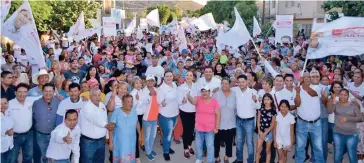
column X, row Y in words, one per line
column 192, row 100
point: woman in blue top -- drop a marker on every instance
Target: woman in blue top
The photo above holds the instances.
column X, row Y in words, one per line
column 121, row 138
column 65, row 91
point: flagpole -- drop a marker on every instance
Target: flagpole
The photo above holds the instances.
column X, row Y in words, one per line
column 255, row 47
column 268, row 31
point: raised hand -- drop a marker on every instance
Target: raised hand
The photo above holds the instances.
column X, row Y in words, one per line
column 68, row 139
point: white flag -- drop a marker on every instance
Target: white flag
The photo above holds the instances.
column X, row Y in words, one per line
column 139, row 35
column 205, row 22
column 153, row 18
column 343, row 36
column 131, row 27
column 21, row 29
column 181, row 41
column 87, row 33
column 256, row 28
column 78, row 26
column 237, row 35
column 5, row 7
column 173, row 27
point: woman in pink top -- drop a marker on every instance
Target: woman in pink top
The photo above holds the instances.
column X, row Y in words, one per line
column 207, row 122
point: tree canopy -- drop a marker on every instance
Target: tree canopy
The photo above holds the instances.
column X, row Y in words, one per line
column 349, row 8
column 60, row 14
column 166, row 13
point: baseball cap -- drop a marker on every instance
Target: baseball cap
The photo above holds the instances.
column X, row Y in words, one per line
column 150, row 77
column 92, row 82
column 205, row 88
column 184, row 51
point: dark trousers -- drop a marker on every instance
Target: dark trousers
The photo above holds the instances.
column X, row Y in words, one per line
column 225, row 136
column 188, row 123
column 140, row 119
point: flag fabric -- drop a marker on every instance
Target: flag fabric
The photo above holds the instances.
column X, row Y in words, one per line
column 256, row 27
column 87, row 33
column 238, row 35
column 5, row 7
column 78, row 26
column 343, row 36
column 205, row 22
column 139, row 35
column 181, row 41
column 226, row 26
column 173, row 27
column 131, row 27
column 21, row 29
column 153, row 18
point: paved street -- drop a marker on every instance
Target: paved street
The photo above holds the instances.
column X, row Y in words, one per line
column 178, row 157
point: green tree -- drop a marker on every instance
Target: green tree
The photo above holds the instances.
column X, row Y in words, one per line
column 267, row 29
column 349, row 8
column 41, row 13
column 164, row 12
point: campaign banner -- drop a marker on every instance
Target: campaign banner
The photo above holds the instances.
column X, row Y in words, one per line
column 284, row 28
column 343, row 36
column 5, row 7
column 21, row 29
column 163, row 28
column 109, row 26
column 116, row 14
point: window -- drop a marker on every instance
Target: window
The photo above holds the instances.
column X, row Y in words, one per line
column 292, row 3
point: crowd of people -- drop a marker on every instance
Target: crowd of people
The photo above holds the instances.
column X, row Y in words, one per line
column 118, row 93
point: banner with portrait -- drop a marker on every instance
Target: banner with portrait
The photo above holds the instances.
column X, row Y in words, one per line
column 343, row 36
column 118, row 15
column 109, row 26
column 21, row 29
column 284, row 28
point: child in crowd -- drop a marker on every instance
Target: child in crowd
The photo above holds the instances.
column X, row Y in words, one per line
column 284, row 131
column 266, row 119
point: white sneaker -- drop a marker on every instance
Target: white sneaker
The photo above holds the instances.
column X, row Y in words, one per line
column 198, row 161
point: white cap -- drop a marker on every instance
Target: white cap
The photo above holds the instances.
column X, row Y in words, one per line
column 205, row 88
column 150, row 77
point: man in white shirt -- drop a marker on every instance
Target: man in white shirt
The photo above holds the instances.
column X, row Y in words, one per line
column 57, row 51
column 72, row 102
column 20, row 110
column 246, row 104
column 94, row 128
column 208, row 79
column 7, row 132
column 308, row 121
column 50, row 42
column 155, row 69
column 65, row 139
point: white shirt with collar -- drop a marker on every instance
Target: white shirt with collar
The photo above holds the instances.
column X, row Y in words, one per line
column 145, row 101
column 245, row 105
column 93, row 120
column 182, row 93
column 7, row 142
column 137, row 104
column 21, row 114
column 309, row 109
column 157, row 71
column 214, row 83
column 170, row 95
column 58, row 149
column 285, row 94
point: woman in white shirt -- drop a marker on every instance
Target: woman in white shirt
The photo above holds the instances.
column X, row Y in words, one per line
column 139, row 106
column 168, row 112
column 187, row 113
column 7, row 142
column 115, row 99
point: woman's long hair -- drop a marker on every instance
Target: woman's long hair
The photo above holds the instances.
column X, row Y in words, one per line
column 273, row 106
column 97, row 76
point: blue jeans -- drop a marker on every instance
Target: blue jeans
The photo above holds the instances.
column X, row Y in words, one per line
column 5, row 157
column 200, row 139
column 92, row 151
column 350, row 142
column 303, row 129
column 25, row 142
column 150, row 132
column 167, row 126
column 62, row 161
column 245, row 129
column 43, row 142
column 331, row 133
column 325, row 138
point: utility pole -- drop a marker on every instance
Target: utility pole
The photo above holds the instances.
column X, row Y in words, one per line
column 263, row 15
